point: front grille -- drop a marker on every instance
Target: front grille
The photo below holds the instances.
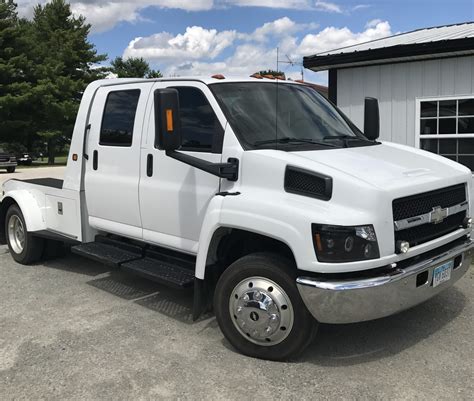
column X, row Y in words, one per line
column 4, row 159
column 415, row 205
column 427, row 232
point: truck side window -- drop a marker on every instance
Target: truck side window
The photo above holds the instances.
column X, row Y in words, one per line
column 119, row 118
column 200, row 128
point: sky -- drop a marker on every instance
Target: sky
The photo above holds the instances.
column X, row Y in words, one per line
column 240, row 37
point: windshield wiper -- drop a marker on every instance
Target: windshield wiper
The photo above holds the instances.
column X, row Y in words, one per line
column 345, row 138
column 287, row 139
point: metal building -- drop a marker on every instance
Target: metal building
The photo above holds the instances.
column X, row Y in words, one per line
column 424, row 81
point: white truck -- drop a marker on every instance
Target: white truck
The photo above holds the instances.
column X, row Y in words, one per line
column 258, row 193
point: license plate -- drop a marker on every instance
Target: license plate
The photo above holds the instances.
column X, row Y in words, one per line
column 442, row 273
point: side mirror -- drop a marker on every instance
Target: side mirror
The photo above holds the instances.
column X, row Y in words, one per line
column 167, row 122
column 371, row 118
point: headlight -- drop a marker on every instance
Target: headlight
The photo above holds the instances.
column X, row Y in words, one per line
column 12, row 159
column 344, row 244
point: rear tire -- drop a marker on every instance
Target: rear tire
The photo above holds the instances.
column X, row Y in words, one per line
column 23, row 246
column 259, row 309
column 11, row 169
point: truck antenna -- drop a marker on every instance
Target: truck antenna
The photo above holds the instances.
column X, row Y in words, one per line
column 293, row 63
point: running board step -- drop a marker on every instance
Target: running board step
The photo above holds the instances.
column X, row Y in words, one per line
column 107, row 254
column 161, row 271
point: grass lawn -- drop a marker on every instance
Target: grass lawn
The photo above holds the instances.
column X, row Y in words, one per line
column 59, row 161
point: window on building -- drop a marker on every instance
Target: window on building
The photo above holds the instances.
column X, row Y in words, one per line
column 200, row 128
column 119, row 118
column 447, row 128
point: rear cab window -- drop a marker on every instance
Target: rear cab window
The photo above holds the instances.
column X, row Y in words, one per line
column 118, row 119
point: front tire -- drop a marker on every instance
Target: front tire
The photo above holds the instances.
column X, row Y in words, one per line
column 11, row 169
column 259, row 309
column 23, row 246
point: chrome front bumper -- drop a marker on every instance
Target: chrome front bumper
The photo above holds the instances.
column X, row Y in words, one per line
column 358, row 300
column 8, row 164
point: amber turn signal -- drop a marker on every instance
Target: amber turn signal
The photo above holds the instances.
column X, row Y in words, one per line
column 169, row 120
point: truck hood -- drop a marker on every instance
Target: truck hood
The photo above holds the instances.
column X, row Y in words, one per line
column 390, row 166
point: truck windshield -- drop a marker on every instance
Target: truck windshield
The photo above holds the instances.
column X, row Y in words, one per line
column 287, row 116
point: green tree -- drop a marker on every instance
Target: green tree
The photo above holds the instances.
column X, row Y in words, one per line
column 64, row 66
column 133, row 67
column 16, row 70
column 273, row 73
column 45, row 65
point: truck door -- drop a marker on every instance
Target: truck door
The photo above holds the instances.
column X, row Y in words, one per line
column 113, row 168
column 174, row 196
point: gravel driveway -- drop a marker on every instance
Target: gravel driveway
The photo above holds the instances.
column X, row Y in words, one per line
column 72, row 329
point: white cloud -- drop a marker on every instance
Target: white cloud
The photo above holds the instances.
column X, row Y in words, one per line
column 105, row 14
column 360, row 7
column 373, row 23
column 327, row 6
column 282, row 27
column 197, row 50
column 201, row 43
column 288, row 4
column 333, row 38
column 195, row 43
column 103, row 17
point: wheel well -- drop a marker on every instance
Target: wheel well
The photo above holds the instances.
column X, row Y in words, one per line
column 229, row 244
column 4, row 206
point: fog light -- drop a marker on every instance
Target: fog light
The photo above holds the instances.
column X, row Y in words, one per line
column 402, row 246
column 467, row 222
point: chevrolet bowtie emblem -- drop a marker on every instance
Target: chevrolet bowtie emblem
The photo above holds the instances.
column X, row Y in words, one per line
column 438, row 214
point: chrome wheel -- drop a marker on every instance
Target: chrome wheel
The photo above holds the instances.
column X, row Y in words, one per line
column 16, row 234
column 261, row 311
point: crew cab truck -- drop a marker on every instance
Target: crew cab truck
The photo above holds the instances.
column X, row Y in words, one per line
column 258, row 193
